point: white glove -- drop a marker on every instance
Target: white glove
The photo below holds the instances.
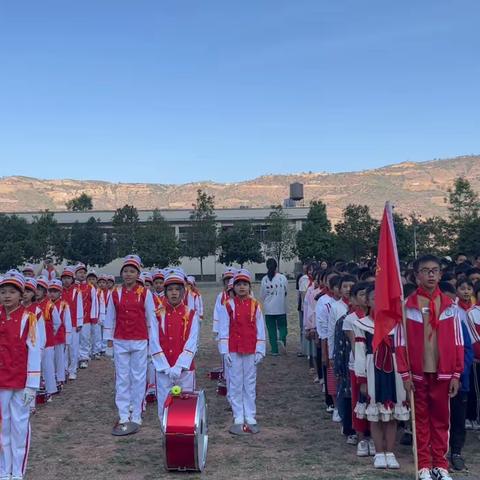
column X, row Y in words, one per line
column 29, row 395
column 258, row 358
column 175, row 373
column 228, row 359
column 109, row 352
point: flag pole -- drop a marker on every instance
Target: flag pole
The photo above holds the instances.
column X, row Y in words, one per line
column 412, row 397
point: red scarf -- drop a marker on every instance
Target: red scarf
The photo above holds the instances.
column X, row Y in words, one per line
column 431, row 304
column 465, row 304
column 359, row 312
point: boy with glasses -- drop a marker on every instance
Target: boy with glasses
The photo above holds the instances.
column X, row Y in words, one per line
column 430, row 364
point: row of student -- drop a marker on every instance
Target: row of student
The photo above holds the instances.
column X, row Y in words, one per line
column 369, row 391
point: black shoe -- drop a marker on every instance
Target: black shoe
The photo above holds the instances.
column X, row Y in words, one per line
column 458, row 463
column 406, row 439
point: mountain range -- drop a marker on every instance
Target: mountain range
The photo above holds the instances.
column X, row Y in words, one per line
column 412, row 187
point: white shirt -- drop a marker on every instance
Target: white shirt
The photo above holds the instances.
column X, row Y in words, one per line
column 273, row 294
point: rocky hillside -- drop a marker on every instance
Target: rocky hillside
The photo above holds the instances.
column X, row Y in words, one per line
column 419, row 187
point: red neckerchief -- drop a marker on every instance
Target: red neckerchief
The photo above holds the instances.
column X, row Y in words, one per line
column 359, row 312
column 465, row 304
column 346, row 301
column 431, row 304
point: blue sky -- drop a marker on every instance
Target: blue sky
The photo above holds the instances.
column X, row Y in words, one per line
column 173, row 91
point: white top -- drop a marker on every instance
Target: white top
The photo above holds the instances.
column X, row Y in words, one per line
column 273, row 294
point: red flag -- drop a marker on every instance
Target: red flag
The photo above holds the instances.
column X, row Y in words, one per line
column 388, row 283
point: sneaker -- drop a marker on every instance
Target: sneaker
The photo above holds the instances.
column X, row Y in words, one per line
column 468, row 425
column 440, row 474
column 380, row 461
column 83, row 364
column 336, row 417
column 457, row 462
column 362, row 448
column 372, row 451
column 274, row 354
column 311, row 370
column 282, row 348
column 424, row 474
column 352, row 439
column 300, row 355
column 392, row 461
column 475, row 425
column 330, row 409
column 72, row 376
column 316, row 379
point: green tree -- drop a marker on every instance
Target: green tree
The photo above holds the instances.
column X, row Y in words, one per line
column 468, row 240
column 47, row 238
column 157, row 244
column 82, row 203
column 432, row 235
column 240, row 245
column 405, row 237
column 14, row 235
column 356, row 233
column 315, row 239
column 87, row 243
column 280, row 236
column 464, row 202
column 202, row 234
column 125, row 228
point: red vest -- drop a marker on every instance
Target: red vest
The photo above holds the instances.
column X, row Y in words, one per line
column 46, row 306
column 86, row 290
column 13, row 350
column 70, row 296
column 131, row 323
column 61, row 335
column 243, row 325
column 177, row 326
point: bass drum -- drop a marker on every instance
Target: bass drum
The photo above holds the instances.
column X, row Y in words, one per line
column 185, row 430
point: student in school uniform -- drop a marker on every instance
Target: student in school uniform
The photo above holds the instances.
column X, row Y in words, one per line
column 52, row 323
column 174, row 340
column 130, row 314
column 103, row 294
column 222, row 297
column 432, row 366
column 90, row 311
column 72, row 295
column 28, row 271
column 242, row 342
column 158, row 278
column 273, row 295
column 19, row 376
column 64, row 332
column 48, row 269
column 473, row 405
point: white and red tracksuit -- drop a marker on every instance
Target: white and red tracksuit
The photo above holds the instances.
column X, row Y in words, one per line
column 62, row 339
column 432, row 402
column 97, row 328
column 242, row 335
column 90, row 318
column 472, row 321
column 194, row 301
column 52, row 321
column 20, row 359
column 130, row 314
column 174, row 342
column 74, row 299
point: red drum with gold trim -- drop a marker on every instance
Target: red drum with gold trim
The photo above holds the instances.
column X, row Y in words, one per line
column 216, row 374
column 185, row 431
column 222, row 388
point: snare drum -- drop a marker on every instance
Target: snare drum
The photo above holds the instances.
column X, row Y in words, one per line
column 216, row 374
column 185, row 429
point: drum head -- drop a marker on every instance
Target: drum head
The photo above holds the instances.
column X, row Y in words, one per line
column 201, row 430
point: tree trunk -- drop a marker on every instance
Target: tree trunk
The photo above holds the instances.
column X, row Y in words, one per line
column 201, row 269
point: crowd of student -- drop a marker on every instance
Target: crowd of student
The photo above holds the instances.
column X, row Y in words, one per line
column 435, row 354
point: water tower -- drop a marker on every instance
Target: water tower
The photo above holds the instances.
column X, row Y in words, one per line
column 296, row 191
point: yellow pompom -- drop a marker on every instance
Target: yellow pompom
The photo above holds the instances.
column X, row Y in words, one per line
column 176, row 390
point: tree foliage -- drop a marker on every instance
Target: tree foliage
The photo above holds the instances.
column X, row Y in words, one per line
column 125, row 228
column 14, row 235
column 240, row 245
column 46, row 239
column 82, row 203
column 280, row 236
column 315, row 239
column 157, row 244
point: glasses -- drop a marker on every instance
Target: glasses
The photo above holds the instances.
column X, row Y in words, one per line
column 430, row 271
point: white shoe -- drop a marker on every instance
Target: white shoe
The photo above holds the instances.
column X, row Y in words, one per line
column 468, row 425
column 5, row 477
column 475, row 425
column 316, row 379
column 352, row 440
column 336, row 417
column 424, row 474
column 380, row 461
column 362, row 448
column 83, row 364
column 72, row 376
column 330, row 409
column 371, row 447
column 440, row 474
column 392, row 461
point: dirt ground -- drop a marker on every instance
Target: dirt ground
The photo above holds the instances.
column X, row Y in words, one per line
column 71, row 436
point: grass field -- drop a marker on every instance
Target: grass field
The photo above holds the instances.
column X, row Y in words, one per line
column 71, row 436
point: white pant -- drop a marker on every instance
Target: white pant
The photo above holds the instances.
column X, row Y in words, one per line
column 48, row 369
column 73, row 352
column 60, row 362
column 226, row 376
column 130, row 358
column 151, row 374
column 242, row 386
column 164, row 385
column 15, row 433
column 85, row 342
column 97, row 346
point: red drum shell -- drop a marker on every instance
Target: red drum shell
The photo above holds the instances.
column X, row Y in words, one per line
column 222, row 388
column 216, row 373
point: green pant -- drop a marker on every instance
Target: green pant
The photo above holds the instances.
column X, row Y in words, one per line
column 277, row 327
